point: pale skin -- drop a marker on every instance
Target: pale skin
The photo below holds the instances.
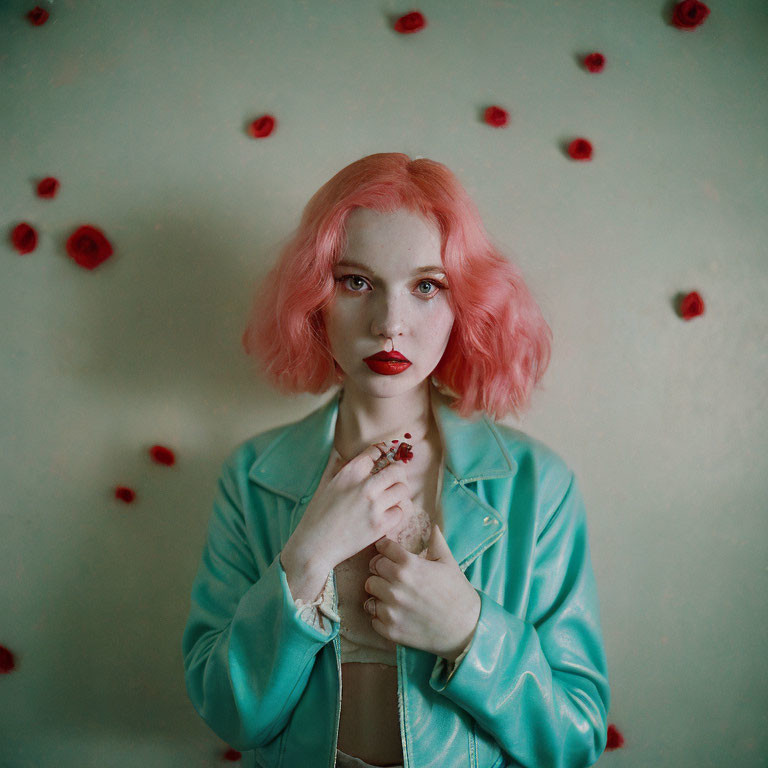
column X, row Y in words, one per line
column 382, row 303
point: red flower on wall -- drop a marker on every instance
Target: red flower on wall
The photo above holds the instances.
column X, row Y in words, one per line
column 38, row 15
column 594, row 62
column 691, row 305
column 24, row 238
column 689, row 14
column 262, row 126
column 48, row 187
column 615, row 739
column 125, row 494
column 7, row 662
column 496, row 116
column 411, row 22
column 580, row 149
column 88, row 247
column 162, row 455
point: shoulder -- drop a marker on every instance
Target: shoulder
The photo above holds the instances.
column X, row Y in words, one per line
column 539, row 466
column 242, row 456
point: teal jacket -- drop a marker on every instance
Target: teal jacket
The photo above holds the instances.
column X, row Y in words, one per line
column 532, row 689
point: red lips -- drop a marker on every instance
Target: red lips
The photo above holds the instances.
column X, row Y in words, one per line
column 393, row 355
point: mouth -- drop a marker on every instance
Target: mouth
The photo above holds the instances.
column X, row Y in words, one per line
column 387, row 363
column 388, row 357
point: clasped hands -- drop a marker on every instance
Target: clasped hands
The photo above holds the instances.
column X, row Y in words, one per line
column 426, row 603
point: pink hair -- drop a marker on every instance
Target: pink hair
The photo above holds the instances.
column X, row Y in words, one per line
column 499, row 347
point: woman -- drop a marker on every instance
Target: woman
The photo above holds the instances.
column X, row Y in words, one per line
column 437, row 611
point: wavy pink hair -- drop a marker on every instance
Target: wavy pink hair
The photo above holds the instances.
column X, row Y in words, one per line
column 499, row 346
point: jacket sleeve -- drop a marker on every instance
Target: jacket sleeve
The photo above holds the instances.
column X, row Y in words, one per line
column 247, row 652
column 539, row 686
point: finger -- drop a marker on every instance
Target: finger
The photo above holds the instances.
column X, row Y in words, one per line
column 394, row 551
column 379, row 587
column 367, row 458
column 378, row 566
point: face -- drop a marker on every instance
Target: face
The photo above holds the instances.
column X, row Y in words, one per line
column 389, row 284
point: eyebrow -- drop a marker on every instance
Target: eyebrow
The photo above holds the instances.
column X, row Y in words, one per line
column 417, row 271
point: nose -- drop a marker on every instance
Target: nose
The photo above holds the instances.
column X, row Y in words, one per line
column 388, row 318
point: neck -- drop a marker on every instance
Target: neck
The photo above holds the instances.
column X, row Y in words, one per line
column 365, row 419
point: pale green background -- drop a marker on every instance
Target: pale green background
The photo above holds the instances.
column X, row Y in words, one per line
column 140, row 110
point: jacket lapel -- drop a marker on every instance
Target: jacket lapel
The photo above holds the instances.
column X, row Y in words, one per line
column 474, row 455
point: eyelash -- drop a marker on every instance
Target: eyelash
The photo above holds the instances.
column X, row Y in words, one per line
column 427, row 296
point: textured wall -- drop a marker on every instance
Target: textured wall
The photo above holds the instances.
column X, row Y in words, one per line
column 141, row 109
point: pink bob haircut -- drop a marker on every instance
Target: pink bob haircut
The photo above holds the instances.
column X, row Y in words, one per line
column 499, row 346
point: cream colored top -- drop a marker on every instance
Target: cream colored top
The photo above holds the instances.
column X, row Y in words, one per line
column 358, row 640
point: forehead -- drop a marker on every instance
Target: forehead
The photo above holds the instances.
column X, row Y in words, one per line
column 401, row 237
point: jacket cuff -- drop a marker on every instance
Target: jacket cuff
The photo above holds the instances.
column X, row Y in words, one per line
column 461, row 683
column 304, row 616
column 447, row 668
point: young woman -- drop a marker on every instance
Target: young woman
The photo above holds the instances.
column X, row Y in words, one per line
column 397, row 579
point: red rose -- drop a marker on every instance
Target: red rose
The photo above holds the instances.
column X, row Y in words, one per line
column 689, row 14
column 162, row 455
column 88, row 246
column 615, row 739
column 7, row 662
column 411, row 22
column 232, row 755
column 24, row 238
column 48, row 187
column 38, row 15
column 262, row 127
column 595, row 62
column 124, row 494
column 580, row 149
column 496, row 116
column 691, row 305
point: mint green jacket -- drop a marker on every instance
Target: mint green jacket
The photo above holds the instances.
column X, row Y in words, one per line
column 532, row 689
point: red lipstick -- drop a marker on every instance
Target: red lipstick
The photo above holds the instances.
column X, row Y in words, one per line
column 387, row 363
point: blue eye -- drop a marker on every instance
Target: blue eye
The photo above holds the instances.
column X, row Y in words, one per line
column 347, row 277
column 439, row 286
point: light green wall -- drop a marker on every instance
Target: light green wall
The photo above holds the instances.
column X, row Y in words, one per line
column 140, row 110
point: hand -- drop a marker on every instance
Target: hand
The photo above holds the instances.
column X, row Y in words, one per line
column 426, row 603
column 353, row 510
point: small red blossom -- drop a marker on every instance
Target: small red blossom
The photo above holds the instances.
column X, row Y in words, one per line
column 125, row 494
column 88, row 247
column 232, row 755
column 615, row 739
column 595, row 62
column 403, row 453
column 496, row 116
column 580, row 149
column 162, row 455
column 691, row 305
column 7, row 662
column 48, row 187
column 407, row 435
column 689, row 14
column 411, row 22
column 262, row 126
column 24, row 238
column 38, row 15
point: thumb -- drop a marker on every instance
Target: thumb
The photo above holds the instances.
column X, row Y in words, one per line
column 437, row 546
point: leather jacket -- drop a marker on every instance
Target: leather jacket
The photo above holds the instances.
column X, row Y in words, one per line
column 532, row 689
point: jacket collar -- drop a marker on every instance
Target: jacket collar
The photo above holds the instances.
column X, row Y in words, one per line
column 293, row 463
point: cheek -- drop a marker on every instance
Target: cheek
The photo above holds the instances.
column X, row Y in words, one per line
column 341, row 324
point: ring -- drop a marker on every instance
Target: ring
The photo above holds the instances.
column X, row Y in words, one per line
column 365, row 605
